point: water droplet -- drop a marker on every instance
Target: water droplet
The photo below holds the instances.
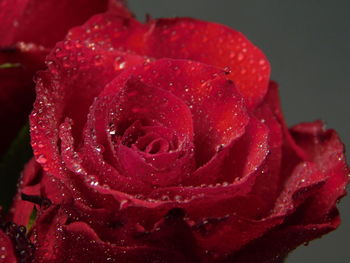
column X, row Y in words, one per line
column 123, row 204
column 220, row 147
column 240, row 57
column 227, row 70
column 164, row 198
column 262, row 62
column 99, row 148
column 178, row 198
column 41, row 159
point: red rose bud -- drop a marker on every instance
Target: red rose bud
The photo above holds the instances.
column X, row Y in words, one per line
column 165, row 142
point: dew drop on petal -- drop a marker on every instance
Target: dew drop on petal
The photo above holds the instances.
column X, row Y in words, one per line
column 240, row 57
column 41, row 159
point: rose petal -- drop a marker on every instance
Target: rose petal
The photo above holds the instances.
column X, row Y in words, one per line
column 29, row 184
column 90, row 165
column 23, row 20
column 139, row 102
column 212, row 44
column 186, row 38
column 100, row 251
column 305, row 181
column 267, row 250
column 7, row 251
column 218, row 111
column 47, row 234
column 239, row 159
column 17, row 87
column 269, row 183
column 326, row 150
column 57, row 90
column 54, row 224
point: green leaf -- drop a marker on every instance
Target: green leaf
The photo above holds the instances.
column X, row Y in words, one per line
column 11, row 166
column 10, row 65
column 32, row 219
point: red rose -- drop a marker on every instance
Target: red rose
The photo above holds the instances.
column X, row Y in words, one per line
column 165, row 142
column 28, row 30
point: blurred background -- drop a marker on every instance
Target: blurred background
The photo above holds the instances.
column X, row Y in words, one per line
column 308, row 45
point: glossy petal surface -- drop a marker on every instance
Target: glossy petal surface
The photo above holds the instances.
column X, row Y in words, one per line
column 165, row 141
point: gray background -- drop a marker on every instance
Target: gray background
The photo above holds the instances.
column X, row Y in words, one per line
column 308, row 45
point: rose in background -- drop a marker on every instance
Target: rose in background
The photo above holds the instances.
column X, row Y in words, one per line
column 28, row 30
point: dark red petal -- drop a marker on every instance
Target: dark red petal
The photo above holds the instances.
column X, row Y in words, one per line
column 23, row 20
column 240, row 231
column 29, row 184
column 269, row 183
column 47, row 234
column 172, row 231
column 219, row 114
column 91, row 248
column 57, row 240
column 271, row 249
column 305, row 180
column 17, row 87
column 292, row 152
column 324, row 148
column 223, row 237
column 7, row 252
column 209, row 228
column 217, row 200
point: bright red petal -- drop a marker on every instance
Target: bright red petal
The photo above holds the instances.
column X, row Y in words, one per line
column 212, row 44
column 218, row 111
column 185, row 38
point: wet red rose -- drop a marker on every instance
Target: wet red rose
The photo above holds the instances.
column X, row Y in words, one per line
column 165, row 142
column 28, row 30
